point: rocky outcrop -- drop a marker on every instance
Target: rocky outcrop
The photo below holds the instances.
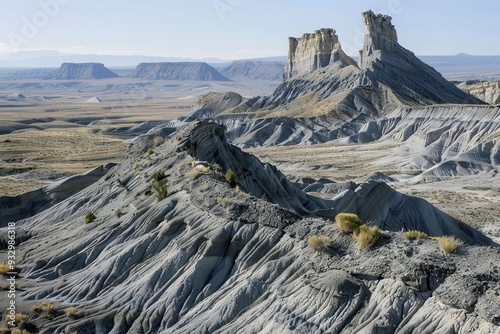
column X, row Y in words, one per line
column 388, row 63
column 82, row 71
column 489, row 92
column 195, row 71
column 254, row 70
column 313, row 52
column 389, row 74
column 380, row 34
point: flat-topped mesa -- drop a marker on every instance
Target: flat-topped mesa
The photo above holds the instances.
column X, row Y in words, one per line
column 315, row 51
column 195, row 71
column 380, row 34
column 82, row 71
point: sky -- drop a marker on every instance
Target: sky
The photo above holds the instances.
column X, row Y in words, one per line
column 239, row 29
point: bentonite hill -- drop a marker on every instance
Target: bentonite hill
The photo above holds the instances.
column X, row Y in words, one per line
column 192, row 234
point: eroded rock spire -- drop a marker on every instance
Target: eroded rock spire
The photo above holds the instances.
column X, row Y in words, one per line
column 380, row 34
column 315, row 51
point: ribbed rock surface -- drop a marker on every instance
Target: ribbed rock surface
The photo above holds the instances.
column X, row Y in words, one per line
column 255, row 70
column 489, row 92
column 82, row 71
column 177, row 71
column 445, row 141
column 30, row 203
column 209, row 259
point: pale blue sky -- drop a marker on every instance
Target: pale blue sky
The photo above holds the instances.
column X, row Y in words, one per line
column 233, row 29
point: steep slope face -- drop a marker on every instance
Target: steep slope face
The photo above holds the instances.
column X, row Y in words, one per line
column 445, row 141
column 33, row 202
column 489, row 92
column 209, row 259
column 390, row 64
column 177, row 71
column 82, row 71
column 254, row 70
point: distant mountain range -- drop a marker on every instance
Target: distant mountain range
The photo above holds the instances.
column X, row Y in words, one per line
column 50, row 58
column 458, row 67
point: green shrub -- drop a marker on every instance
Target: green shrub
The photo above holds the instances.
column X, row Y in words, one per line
column 413, row 235
column 448, row 244
column 150, row 152
column 90, row 217
column 366, row 236
column 348, row 222
column 319, row 243
column 159, row 175
column 161, row 189
column 118, row 212
column 230, row 177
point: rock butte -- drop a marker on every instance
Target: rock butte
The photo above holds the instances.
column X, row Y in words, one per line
column 177, row 71
column 256, row 70
column 82, row 71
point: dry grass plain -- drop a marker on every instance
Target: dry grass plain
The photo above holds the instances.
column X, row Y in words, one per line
column 51, row 129
column 34, row 157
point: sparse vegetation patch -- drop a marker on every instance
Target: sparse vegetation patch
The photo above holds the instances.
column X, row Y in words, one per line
column 348, row 222
column 413, row 235
column 159, row 175
column 230, row 177
column 193, row 173
column 366, row 236
column 46, row 308
column 158, row 140
column 319, row 243
column 70, row 311
column 19, row 318
column 90, row 217
column 161, row 189
column 4, row 268
column 448, row 244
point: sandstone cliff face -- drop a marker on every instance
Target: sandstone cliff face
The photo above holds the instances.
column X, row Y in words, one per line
column 177, row 71
column 82, row 71
column 380, row 34
column 315, row 51
column 489, row 92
